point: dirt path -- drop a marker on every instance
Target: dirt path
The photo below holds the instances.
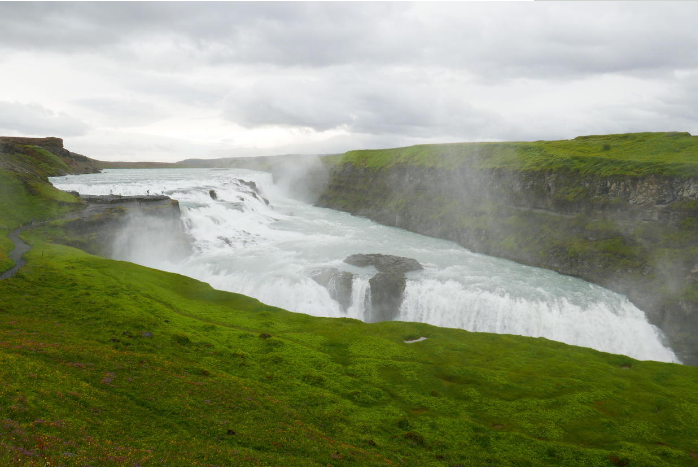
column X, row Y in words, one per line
column 16, row 254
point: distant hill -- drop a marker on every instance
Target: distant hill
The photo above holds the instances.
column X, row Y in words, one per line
column 263, row 163
column 138, row 165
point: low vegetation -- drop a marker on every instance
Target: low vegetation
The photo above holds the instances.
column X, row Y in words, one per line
column 107, row 363
column 26, row 195
column 624, row 154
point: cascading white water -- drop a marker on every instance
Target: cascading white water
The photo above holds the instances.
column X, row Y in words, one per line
column 360, row 298
column 448, row 304
column 271, row 252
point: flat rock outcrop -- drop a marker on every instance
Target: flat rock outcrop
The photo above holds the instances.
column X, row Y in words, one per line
column 385, row 263
column 118, row 199
column 388, row 285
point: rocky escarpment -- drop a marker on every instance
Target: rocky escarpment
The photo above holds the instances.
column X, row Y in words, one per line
column 129, row 227
column 637, row 235
column 67, row 162
column 387, row 285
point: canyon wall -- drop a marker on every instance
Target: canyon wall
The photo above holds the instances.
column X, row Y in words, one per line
column 635, row 234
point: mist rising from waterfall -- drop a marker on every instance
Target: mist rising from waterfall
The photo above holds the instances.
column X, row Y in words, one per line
column 272, row 251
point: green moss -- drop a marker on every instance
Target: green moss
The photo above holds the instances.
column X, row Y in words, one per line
column 36, row 161
column 574, row 193
column 6, row 246
column 22, row 201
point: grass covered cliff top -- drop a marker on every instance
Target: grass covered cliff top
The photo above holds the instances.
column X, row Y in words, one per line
column 107, row 363
column 25, row 193
column 631, row 154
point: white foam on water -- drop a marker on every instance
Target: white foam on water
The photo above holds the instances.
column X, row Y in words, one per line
column 269, row 252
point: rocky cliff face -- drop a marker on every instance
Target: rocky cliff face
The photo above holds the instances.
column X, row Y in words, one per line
column 635, row 235
column 129, row 227
column 386, row 286
column 68, row 163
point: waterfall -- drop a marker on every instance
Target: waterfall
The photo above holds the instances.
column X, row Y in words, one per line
column 615, row 326
column 271, row 249
column 360, row 299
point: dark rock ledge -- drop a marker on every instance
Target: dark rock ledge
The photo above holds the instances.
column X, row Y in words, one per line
column 387, row 286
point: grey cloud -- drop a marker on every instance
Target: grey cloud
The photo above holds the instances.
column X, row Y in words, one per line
column 387, row 74
column 386, row 103
column 123, row 112
column 680, row 102
column 117, row 145
column 491, row 40
column 288, row 102
column 174, row 89
column 36, row 120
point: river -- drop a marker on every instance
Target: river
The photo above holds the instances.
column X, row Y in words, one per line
column 270, row 252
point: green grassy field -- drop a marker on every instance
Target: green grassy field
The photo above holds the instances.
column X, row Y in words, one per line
column 26, row 195
column 107, row 363
column 623, row 154
column 25, row 198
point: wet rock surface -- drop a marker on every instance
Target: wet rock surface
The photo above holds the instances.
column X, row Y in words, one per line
column 388, row 285
column 386, row 295
column 108, row 218
column 338, row 283
column 385, row 263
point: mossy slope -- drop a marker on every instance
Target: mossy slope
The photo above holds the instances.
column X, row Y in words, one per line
column 109, row 363
column 119, row 364
column 25, row 193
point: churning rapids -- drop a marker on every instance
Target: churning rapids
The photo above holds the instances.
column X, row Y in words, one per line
column 269, row 252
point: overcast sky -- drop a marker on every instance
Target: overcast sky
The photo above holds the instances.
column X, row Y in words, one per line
column 169, row 81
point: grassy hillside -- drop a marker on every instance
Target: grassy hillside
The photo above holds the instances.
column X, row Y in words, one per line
column 623, row 154
column 107, row 363
column 118, row 364
column 25, row 193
